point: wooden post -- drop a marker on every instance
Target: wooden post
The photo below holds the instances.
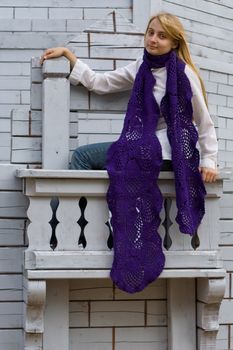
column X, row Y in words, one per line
column 181, row 314
column 55, row 155
column 56, row 333
column 55, row 110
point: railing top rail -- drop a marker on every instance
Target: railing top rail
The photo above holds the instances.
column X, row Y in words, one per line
column 99, row 174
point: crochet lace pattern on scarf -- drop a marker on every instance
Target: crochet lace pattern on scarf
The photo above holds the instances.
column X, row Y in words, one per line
column 133, row 165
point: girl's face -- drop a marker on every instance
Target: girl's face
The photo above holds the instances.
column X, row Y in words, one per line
column 156, row 41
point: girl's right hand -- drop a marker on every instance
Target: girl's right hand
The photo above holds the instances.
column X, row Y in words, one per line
column 52, row 53
column 58, row 52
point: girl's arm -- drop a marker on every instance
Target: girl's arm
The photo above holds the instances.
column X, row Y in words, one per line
column 206, row 131
column 120, row 79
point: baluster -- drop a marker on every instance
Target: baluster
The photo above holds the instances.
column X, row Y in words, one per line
column 68, row 231
column 39, row 230
column 180, row 241
column 96, row 232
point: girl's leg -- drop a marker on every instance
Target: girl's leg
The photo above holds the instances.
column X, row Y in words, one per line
column 90, row 157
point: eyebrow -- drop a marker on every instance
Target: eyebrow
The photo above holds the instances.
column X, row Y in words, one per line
column 161, row 32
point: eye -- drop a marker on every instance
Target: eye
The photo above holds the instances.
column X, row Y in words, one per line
column 162, row 36
column 150, row 32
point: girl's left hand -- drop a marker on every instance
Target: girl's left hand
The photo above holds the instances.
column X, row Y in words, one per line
column 208, row 174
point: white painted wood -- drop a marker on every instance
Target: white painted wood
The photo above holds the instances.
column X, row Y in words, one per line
column 12, row 232
column 91, row 338
column 11, row 339
column 55, row 146
column 206, row 340
column 156, row 313
column 11, row 287
column 208, row 315
column 39, row 230
column 104, row 273
column 11, row 260
column 97, row 232
column 8, row 180
column 56, row 334
column 34, row 303
column 78, row 314
column 143, row 10
column 33, row 341
column 45, row 259
column 11, row 315
column 147, row 338
column 13, row 204
column 117, row 313
column 68, row 230
column 86, row 289
column 181, row 314
column 210, row 292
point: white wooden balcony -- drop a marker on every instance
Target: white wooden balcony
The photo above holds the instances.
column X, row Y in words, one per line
column 70, row 237
column 69, row 232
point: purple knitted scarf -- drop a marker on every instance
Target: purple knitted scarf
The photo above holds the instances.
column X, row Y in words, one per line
column 133, row 165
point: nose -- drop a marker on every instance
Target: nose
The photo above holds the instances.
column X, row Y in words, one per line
column 154, row 38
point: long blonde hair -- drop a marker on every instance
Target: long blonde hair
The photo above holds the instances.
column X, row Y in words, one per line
column 175, row 30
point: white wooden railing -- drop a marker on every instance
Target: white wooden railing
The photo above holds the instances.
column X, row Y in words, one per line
column 69, row 236
column 70, row 228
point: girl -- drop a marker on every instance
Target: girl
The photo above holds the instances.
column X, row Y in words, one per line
column 168, row 97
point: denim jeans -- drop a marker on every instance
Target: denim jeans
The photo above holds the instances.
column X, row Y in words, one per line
column 93, row 157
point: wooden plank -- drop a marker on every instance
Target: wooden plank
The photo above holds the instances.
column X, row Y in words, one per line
column 11, row 315
column 85, row 289
column 76, row 274
column 91, row 338
column 11, row 339
column 11, row 288
column 56, row 316
column 146, row 338
column 103, row 260
column 117, row 313
column 13, row 205
column 156, row 313
column 56, row 100
column 181, row 314
column 193, row 12
column 11, row 260
column 12, row 232
column 206, row 7
column 8, row 180
column 78, row 314
column 143, row 10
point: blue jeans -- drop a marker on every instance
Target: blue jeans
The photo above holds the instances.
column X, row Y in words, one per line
column 90, row 157
column 93, row 157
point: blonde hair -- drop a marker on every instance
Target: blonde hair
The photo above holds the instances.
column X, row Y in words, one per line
column 175, row 30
